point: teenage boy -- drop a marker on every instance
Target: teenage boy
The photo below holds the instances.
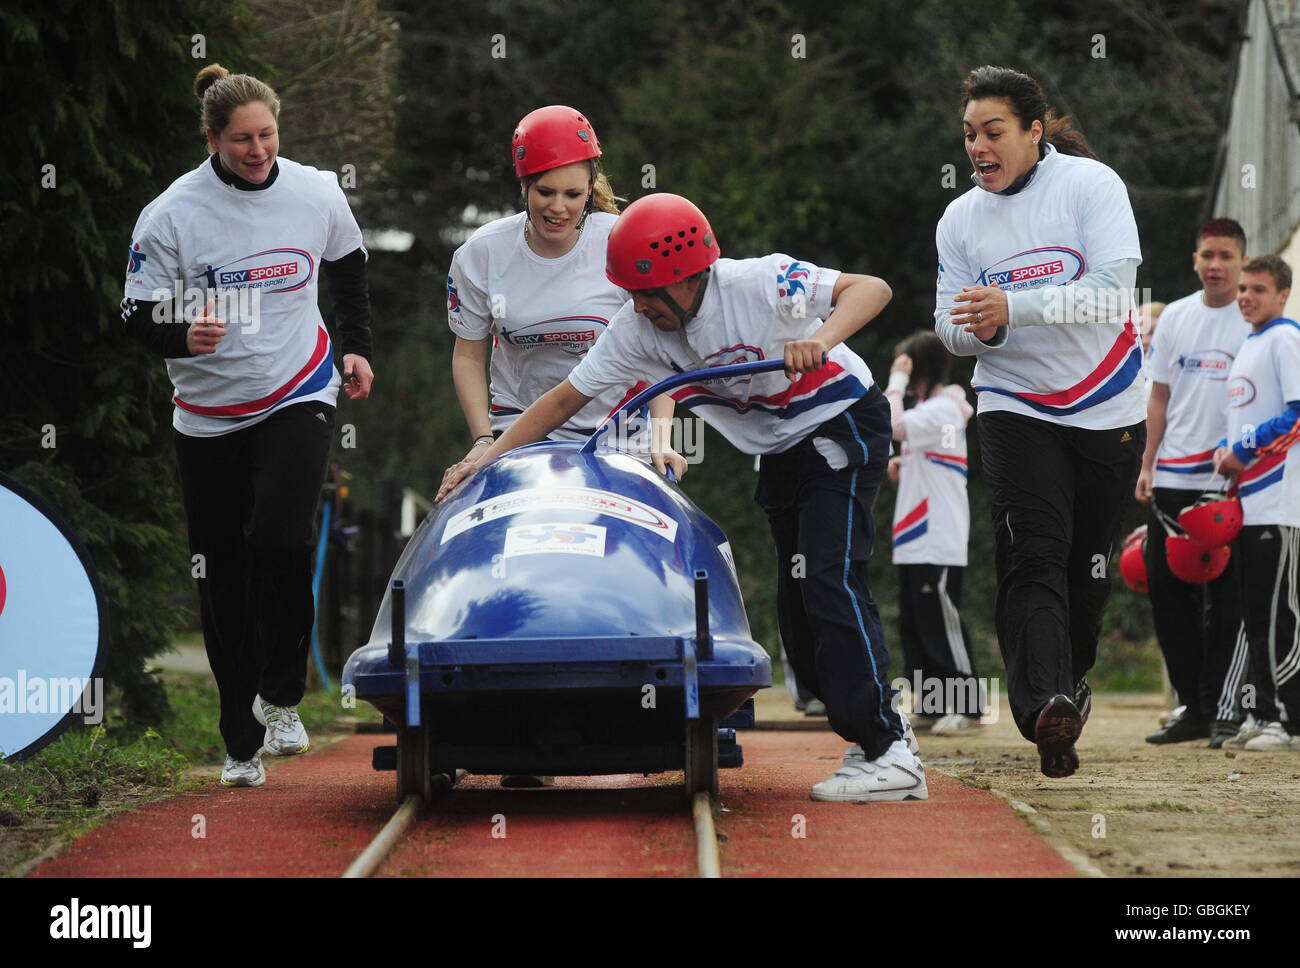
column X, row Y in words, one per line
column 1263, row 430
column 1198, row 626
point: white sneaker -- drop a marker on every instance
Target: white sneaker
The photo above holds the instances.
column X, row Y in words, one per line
column 954, row 723
column 285, row 733
column 888, row 778
column 1248, row 731
column 243, row 773
column 1272, row 738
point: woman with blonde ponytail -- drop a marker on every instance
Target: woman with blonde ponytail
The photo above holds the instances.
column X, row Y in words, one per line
column 222, row 283
column 532, row 286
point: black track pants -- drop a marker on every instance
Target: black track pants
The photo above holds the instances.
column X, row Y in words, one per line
column 1056, row 494
column 1269, row 570
column 936, row 645
column 250, row 499
column 818, row 498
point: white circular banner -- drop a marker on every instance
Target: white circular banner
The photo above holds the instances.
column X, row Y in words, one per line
column 52, row 629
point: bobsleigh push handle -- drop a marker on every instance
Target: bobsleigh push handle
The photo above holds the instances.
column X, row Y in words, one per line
column 677, row 380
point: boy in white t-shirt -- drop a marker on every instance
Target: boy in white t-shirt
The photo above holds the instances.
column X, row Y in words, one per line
column 931, row 529
column 1263, row 431
column 822, row 428
column 1198, row 626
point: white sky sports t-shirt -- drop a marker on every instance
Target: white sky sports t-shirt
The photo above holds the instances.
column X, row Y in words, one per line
column 1265, row 377
column 252, row 249
column 1072, row 217
column 1192, row 351
column 751, row 309
column 544, row 314
column 931, row 512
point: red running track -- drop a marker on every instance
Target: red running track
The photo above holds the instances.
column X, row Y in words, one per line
column 317, row 812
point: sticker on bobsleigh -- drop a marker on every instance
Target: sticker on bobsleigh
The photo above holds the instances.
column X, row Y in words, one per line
column 547, row 539
column 587, row 499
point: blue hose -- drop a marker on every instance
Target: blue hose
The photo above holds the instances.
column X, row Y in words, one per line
column 315, row 595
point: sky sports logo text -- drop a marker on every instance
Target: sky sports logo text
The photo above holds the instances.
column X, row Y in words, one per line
column 1042, row 270
column 576, row 336
column 102, row 922
column 1202, row 935
column 257, row 274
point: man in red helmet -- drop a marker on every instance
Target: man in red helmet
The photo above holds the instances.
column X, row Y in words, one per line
column 1263, row 456
column 1198, row 626
column 823, row 430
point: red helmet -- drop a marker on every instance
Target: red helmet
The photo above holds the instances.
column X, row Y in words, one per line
column 1132, row 566
column 553, row 136
column 1212, row 523
column 1193, row 562
column 658, row 240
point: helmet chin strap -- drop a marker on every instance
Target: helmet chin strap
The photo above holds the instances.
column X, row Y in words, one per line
column 686, row 315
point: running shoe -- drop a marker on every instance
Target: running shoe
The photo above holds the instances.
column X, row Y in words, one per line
column 954, row 723
column 1186, row 727
column 814, row 707
column 243, row 773
column 1058, row 726
column 1245, row 733
column 1272, row 738
column 285, row 733
column 887, row 778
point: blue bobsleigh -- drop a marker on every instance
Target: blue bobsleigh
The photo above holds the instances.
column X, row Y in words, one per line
column 566, row 611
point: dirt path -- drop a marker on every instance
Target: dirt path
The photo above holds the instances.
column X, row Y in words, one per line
column 1135, row 809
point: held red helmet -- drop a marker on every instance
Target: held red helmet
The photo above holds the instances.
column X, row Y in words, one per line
column 1132, row 566
column 658, row 240
column 553, row 136
column 1212, row 523
column 1193, row 562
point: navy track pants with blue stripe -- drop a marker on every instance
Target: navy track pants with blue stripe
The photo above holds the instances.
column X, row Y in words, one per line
column 817, row 496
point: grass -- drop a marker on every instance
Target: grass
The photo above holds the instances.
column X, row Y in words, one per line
column 75, row 782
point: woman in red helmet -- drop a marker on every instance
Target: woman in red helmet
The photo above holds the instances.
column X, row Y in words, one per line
column 533, row 286
column 823, row 428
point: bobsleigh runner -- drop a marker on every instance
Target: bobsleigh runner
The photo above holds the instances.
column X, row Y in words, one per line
column 566, row 611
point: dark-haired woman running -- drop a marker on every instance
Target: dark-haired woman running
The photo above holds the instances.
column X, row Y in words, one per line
column 1036, row 271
